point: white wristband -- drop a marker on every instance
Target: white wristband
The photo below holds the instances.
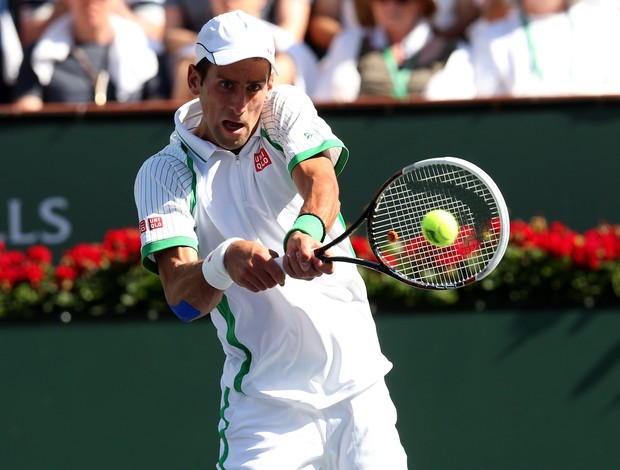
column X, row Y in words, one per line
column 213, row 268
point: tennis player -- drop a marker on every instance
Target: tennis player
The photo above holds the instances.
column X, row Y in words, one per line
column 251, row 172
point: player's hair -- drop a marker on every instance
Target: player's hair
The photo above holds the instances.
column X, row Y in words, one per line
column 203, row 67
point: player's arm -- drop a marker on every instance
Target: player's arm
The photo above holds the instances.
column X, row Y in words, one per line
column 194, row 289
column 316, row 182
column 187, row 293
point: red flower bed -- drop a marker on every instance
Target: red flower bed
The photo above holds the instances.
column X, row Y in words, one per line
column 546, row 265
column 584, row 250
column 588, row 250
column 89, row 278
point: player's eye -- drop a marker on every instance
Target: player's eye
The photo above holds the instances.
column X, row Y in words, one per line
column 255, row 87
column 226, row 85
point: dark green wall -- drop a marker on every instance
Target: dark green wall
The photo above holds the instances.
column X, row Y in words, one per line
column 487, row 391
column 555, row 159
column 67, row 178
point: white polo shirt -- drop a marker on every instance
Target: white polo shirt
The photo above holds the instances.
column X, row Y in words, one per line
column 311, row 342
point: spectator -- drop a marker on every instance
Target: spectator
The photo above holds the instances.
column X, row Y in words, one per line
column 450, row 20
column 88, row 54
column 329, row 17
column 542, row 48
column 296, row 62
column 184, row 18
column 456, row 79
column 151, row 17
column 10, row 52
column 394, row 58
column 291, row 15
column 453, row 17
column 493, row 10
column 36, row 15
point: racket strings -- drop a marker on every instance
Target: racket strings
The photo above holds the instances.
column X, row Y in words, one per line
column 395, row 228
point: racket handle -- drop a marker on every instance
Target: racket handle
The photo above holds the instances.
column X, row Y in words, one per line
column 320, row 253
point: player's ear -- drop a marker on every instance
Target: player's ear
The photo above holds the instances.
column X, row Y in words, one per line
column 193, row 79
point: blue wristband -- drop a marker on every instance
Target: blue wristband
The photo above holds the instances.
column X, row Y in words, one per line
column 185, row 311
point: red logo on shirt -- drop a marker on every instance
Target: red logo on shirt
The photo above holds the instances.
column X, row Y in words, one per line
column 155, row 222
column 142, row 226
column 261, row 160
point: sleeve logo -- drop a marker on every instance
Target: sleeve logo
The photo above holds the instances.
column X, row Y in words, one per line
column 142, row 226
column 261, row 160
column 155, row 223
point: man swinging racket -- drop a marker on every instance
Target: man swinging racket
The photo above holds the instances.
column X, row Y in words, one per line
column 250, row 172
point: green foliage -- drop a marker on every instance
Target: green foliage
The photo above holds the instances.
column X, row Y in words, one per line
column 545, row 266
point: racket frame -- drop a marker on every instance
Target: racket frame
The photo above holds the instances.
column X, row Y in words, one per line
column 380, row 266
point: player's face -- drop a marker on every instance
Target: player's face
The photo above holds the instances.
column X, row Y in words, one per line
column 231, row 98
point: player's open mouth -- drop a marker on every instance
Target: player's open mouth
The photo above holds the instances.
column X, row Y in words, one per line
column 232, row 126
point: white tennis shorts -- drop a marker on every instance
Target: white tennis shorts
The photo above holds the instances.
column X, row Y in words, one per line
column 266, row 434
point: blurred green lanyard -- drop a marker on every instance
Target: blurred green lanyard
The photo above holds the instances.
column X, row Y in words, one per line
column 400, row 77
column 532, row 48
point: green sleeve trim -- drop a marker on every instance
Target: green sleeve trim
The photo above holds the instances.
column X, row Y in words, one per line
column 328, row 144
column 154, row 247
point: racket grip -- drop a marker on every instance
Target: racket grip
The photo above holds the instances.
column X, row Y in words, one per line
column 318, row 252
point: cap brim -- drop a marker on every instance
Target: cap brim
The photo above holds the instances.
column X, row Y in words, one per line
column 230, row 56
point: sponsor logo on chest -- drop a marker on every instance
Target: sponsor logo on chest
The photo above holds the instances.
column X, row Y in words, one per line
column 261, row 160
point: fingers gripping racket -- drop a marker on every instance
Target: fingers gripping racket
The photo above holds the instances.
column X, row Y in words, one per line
column 394, row 225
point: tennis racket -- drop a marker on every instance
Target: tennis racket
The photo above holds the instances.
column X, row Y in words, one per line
column 394, row 218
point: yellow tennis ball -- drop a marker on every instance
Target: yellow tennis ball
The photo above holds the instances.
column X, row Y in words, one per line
column 440, row 227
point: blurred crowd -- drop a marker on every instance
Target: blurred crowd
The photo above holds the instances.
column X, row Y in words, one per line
column 336, row 50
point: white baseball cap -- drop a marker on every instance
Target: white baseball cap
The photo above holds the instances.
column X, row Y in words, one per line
column 234, row 36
